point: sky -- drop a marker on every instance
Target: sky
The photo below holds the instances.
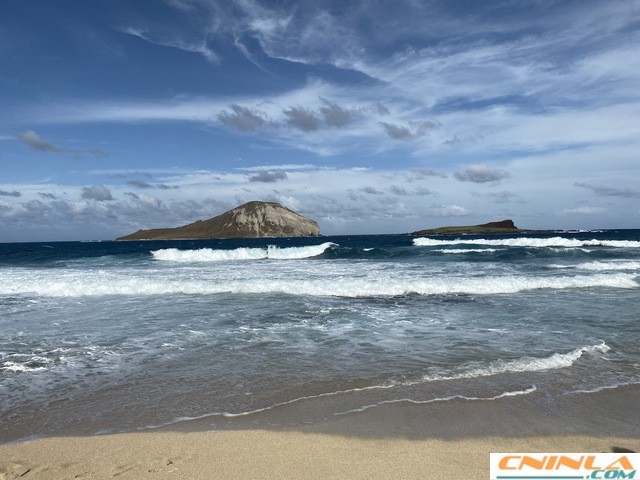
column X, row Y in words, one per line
column 367, row 116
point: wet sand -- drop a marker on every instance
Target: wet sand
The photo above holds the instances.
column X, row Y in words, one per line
column 392, row 441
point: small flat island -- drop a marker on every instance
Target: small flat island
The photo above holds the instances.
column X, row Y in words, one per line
column 503, row 226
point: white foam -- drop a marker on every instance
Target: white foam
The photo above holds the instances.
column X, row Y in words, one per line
column 341, row 392
column 15, row 367
column 602, row 388
column 80, row 284
column 528, row 242
column 599, row 266
column 213, row 255
column 609, row 266
column 513, row 393
column 271, row 407
column 467, row 250
column 526, row 364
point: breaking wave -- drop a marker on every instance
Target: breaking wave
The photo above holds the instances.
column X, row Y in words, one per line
column 528, row 242
column 602, row 266
column 75, row 285
column 467, row 250
column 213, row 255
column 527, row 364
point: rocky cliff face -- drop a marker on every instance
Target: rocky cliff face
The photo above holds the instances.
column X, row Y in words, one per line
column 251, row 220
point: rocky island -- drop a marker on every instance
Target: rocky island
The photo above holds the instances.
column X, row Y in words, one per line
column 503, row 226
column 250, row 220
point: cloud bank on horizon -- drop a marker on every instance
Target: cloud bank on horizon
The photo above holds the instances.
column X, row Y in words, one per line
column 369, row 117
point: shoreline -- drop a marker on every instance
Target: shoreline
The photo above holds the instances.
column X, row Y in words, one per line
column 608, row 411
column 390, row 441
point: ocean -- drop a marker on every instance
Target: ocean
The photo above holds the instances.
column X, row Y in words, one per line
column 99, row 337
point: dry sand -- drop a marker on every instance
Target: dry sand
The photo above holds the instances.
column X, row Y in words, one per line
column 256, row 454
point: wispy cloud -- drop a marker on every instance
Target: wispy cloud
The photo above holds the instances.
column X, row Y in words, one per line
column 287, row 166
column 35, row 142
column 413, row 129
column 139, row 184
column 427, row 172
column 435, row 100
column 603, row 191
column 200, row 47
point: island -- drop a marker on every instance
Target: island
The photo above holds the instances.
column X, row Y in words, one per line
column 503, row 226
column 250, row 220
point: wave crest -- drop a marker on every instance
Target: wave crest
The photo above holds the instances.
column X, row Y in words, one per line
column 215, row 255
column 602, row 266
column 96, row 285
column 527, row 364
column 528, row 242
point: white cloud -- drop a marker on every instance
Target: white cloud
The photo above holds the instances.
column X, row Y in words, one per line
column 437, row 97
column 447, row 210
column 287, row 166
column 583, row 211
column 323, row 194
column 342, row 200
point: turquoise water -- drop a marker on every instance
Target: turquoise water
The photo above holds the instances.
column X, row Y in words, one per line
column 117, row 336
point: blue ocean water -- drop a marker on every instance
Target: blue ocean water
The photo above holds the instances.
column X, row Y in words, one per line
column 117, row 336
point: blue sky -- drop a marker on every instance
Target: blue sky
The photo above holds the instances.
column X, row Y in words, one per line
column 367, row 116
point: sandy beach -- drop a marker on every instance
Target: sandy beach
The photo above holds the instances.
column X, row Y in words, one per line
column 266, row 454
column 394, row 441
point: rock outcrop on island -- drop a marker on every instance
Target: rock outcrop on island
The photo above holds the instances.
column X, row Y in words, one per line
column 503, row 226
column 251, row 220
